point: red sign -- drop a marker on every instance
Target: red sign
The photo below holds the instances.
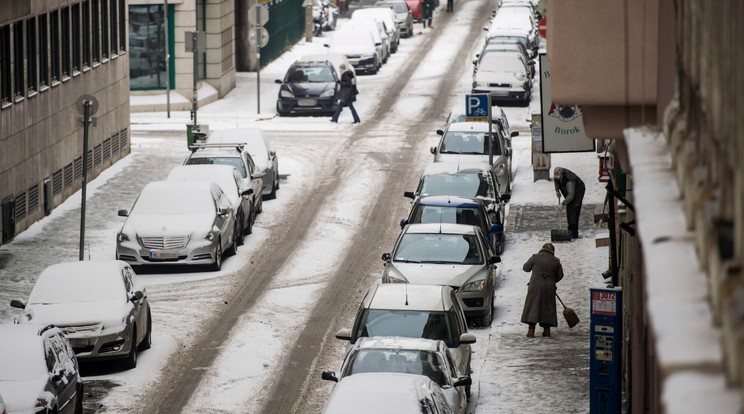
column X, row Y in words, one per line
column 604, row 303
column 542, row 27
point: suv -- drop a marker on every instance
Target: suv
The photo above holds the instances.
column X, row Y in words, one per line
column 39, row 370
column 460, row 210
column 414, row 311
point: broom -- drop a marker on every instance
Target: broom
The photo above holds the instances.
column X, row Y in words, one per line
column 571, row 318
column 560, row 235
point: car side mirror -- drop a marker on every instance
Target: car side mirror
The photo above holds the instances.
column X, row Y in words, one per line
column 123, row 213
column 257, row 175
column 440, row 132
column 222, row 211
column 246, row 192
column 496, row 228
column 409, row 194
column 467, row 338
column 386, row 257
column 329, row 376
column 514, row 133
column 475, row 61
column 494, row 259
column 378, row 44
column 433, row 150
column 17, row 303
column 344, row 334
column 138, row 295
column 505, row 197
column 57, row 376
column 278, row 81
column 326, row 45
column 463, row 382
column 403, row 223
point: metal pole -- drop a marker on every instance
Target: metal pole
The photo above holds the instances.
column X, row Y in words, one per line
column 195, row 38
column 167, row 58
column 258, row 61
column 86, row 121
column 611, row 222
column 490, row 136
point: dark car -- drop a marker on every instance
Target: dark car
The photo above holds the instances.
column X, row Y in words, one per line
column 460, row 210
column 309, row 87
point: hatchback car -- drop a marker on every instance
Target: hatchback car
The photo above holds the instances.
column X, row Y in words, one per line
column 466, row 142
column 229, row 179
column 403, row 17
column 336, row 59
column 99, row 305
column 256, row 142
column 407, row 356
column 505, row 77
column 360, row 49
column 376, row 28
column 236, row 155
column 453, row 255
column 414, row 311
column 38, row 371
column 308, row 88
column 175, row 222
column 459, row 210
column 387, row 392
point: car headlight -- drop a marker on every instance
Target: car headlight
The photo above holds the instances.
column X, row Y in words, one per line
column 122, row 237
column 500, row 170
column 327, row 94
column 210, row 236
column 476, row 286
column 284, row 93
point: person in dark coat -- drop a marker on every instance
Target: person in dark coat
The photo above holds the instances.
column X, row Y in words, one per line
column 346, row 94
column 427, row 12
column 572, row 188
column 450, row 6
column 539, row 305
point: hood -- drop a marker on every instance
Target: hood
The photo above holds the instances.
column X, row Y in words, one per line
column 436, row 274
column 168, row 225
column 309, row 89
column 78, row 314
column 21, row 396
column 355, row 50
column 482, row 76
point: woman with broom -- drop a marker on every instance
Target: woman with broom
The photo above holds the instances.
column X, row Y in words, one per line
column 539, row 305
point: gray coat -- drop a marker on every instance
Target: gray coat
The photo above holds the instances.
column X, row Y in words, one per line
column 539, row 305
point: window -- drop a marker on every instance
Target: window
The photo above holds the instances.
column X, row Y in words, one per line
column 86, row 34
column 122, row 25
column 5, row 85
column 54, row 46
column 147, row 46
column 65, row 36
column 95, row 33
column 19, row 87
column 43, row 51
column 31, row 52
column 76, row 38
column 104, row 30
column 114, row 22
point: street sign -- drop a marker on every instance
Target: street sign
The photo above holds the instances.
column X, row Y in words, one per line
column 542, row 27
column 477, row 107
column 263, row 37
column 258, row 15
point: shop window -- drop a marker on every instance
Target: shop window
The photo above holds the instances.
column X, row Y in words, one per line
column 147, row 47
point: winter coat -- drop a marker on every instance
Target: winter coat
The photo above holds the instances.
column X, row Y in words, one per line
column 572, row 188
column 348, row 89
column 539, row 305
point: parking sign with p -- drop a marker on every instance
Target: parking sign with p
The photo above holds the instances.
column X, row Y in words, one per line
column 477, row 107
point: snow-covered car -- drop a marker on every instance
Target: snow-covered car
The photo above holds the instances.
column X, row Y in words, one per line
column 231, row 183
column 387, row 392
column 414, row 311
column 330, row 12
column 360, row 49
column 376, row 29
column 38, row 371
column 384, row 15
column 446, row 254
column 403, row 17
column 505, row 77
column 236, row 155
column 466, row 142
column 464, row 179
column 336, row 59
column 308, row 88
column 100, row 306
column 407, row 356
column 174, row 223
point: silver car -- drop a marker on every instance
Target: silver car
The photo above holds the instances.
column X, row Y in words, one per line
column 403, row 17
column 174, row 222
column 99, row 305
column 455, row 255
column 407, row 356
column 466, row 179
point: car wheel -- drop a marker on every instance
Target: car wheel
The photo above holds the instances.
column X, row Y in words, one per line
column 276, row 180
column 272, row 194
column 240, row 231
column 217, row 265
column 488, row 317
column 131, row 361
column 147, row 340
column 232, row 250
column 249, row 229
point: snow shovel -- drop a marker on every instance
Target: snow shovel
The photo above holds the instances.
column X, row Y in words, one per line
column 560, row 234
column 571, row 318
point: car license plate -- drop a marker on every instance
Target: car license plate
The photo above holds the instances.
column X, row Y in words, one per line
column 500, row 93
column 306, row 102
column 163, row 255
column 354, row 62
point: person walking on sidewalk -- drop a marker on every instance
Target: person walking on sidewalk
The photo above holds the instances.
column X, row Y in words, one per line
column 427, row 12
column 539, row 305
column 346, row 94
column 450, row 6
column 572, row 188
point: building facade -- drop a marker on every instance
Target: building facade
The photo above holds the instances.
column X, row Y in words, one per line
column 661, row 80
column 52, row 53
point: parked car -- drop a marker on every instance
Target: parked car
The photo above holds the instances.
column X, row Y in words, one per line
column 330, row 12
column 175, row 222
column 414, row 311
column 236, row 155
column 336, row 60
column 514, row 19
column 497, row 47
column 407, row 356
column 455, row 255
column 386, row 392
column 308, row 88
column 384, row 15
column 473, row 179
column 100, row 306
column 466, row 142
column 403, row 16
column 507, row 37
column 376, row 29
column 499, row 122
column 505, row 77
column 257, row 144
column 38, row 371
column 2, row 405
column 416, row 7
column 360, row 49
column 460, row 210
column 231, row 183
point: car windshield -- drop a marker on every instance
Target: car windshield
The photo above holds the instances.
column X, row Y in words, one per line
column 407, row 361
column 231, row 161
column 313, row 74
column 80, row 287
column 411, row 324
column 468, row 142
column 397, row 7
column 442, row 214
column 159, row 202
column 438, row 248
column 352, row 39
column 501, row 62
column 462, row 184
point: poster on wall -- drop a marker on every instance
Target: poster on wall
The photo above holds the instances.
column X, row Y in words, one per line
column 563, row 125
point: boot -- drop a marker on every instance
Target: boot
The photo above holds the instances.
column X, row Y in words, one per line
column 531, row 332
column 546, row 331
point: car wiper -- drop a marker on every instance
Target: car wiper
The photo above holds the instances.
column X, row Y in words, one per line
column 448, row 152
column 472, row 153
column 445, row 262
column 408, row 261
